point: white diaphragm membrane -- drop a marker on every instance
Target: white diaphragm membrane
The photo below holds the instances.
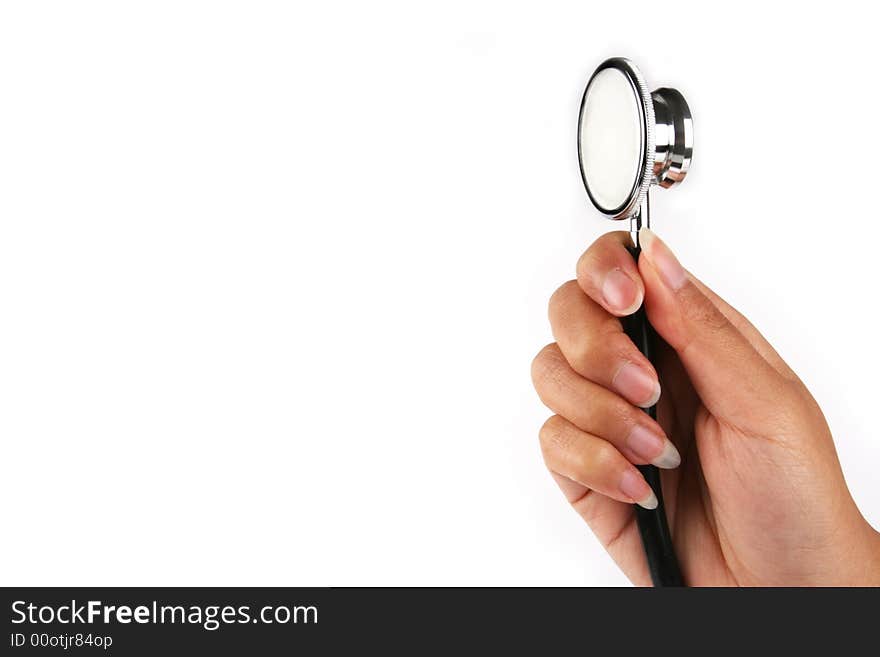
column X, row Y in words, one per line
column 611, row 137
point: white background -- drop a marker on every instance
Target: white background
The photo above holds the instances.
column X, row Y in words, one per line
column 272, row 276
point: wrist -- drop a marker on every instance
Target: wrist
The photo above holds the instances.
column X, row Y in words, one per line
column 862, row 561
column 873, row 543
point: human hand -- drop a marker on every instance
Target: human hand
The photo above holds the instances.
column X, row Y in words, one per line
column 751, row 482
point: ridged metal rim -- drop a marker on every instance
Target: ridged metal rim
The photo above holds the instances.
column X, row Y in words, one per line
column 630, row 207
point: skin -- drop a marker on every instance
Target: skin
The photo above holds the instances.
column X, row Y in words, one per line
column 758, row 498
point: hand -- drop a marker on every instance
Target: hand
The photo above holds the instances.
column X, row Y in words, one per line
column 753, row 489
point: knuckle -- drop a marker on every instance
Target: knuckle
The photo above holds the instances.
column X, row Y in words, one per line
column 585, row 266
column 561, row 301
column 595, row 350
column 593, row 461
column 547, row 367
column 583, row 333
column 798, row 403
column 604, row 456
column 554, row 437
column 582, row 354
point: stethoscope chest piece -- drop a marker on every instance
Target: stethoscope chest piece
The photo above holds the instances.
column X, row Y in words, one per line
column 630, row 138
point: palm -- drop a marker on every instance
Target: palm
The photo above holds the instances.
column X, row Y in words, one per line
column 712, row 549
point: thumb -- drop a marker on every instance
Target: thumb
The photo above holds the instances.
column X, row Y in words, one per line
column 732, row 379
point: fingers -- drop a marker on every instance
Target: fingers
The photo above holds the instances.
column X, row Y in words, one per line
column 608, row 274
column 728, row 373
column 593, row 463
column 613, row 523
column 609, row 254
column 594, row 344
column 596, row 411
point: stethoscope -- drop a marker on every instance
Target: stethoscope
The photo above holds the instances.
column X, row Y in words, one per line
column 630, row 139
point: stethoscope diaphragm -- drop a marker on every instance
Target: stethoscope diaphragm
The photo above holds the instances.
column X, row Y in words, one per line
column 630, row 138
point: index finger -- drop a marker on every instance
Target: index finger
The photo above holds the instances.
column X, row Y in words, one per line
column 608, row 274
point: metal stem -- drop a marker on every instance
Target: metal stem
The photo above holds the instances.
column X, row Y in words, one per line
column 641, row 219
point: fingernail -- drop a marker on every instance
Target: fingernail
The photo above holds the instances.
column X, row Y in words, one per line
column 636, row 385
column 669, row 458
column 653, row 448
column 621, row 292
column 672, row 273
column 634, row 486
